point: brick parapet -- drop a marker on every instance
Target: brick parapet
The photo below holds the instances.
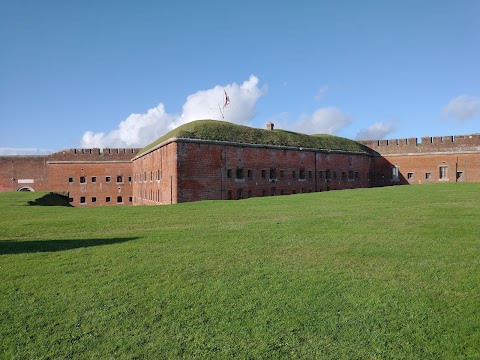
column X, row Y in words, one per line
column 427, row 145
column 94, row 154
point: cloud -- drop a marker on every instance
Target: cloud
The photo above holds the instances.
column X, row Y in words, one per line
column 138, row 130
column 463, row 107
column 375, row 131
column 321, row 92
column 24, row 151
column 328, row 120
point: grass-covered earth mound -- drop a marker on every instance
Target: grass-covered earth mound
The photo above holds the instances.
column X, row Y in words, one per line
column 225, row 131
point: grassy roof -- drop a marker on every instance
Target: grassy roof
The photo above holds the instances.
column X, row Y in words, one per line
column 225, row 131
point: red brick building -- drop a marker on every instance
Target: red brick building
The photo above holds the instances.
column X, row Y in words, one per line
column 182, row 169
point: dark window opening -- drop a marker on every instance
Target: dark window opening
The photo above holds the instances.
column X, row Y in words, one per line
column 119, row 179
column 83, row 200
column 302, row 174
column 229, row 173
column 70, row 179
column 273, row 173
column 94, row 179
column 119, row 200
column 239, row 173
column 239, row 194
column 107, row 199
column 249, row 174
column 264, row 174
column 94, row 199
column 82, row 179
column 107, row 178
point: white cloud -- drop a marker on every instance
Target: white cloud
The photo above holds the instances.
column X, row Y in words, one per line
column 463, row 107
column 24, row 151
column 375, row 131
column 329, row 120
column 321, row 92
column 138, row 130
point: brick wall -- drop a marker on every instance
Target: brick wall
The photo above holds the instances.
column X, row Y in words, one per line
column 433, row 159
column 436, row 144
column 92, row 183
column 17, row 172
column 155, row 176
column 213, row 171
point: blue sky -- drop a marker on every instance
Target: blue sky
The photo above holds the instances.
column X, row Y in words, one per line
column 122, row 73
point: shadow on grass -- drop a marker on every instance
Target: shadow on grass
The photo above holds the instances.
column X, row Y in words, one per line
column 33, row 246
column 51, row 199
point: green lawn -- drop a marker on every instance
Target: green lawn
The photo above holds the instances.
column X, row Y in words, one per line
column 367, row 274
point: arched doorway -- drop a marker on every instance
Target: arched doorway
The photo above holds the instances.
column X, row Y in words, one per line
column 25, row 188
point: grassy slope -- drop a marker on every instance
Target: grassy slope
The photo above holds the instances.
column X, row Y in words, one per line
column 369, row 273
column 225, row 131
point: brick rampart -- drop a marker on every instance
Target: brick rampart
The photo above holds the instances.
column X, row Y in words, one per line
column 23, row 172
column 436, row 144
column 209, row 170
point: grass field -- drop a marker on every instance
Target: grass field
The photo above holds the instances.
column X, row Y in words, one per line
column 367, row 274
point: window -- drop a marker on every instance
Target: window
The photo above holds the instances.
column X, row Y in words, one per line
column 302, row 174
column 239, row 173
column 119, row 179
column 83, row 200
column 327, row 174
column 344, row 175
column 443, row 173
column 320, row 174
column 309, row 174
column 334, row 174
column 294, row 174
column 82, row 179
column 249, row 174
column 70, row 179
column 239, row 194
column 94, row 179
column 410, row 176
column 356, row 175
column 229, row 173
column 119, row 200
column 107, row 178
column 129, row 199
column 395, row 173
column 107, row 199
column 273, row 173
column 350, row 175
column 264, row 174
column 459, row 175
column 129, row 179
column 428, row 176
column 94, row 199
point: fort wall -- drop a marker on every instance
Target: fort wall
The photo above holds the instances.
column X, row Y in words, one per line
column 435, row 144
column 23, row 172
column 431, row 160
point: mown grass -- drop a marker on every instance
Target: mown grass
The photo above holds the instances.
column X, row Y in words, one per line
column 368, row 273
column 225, row 131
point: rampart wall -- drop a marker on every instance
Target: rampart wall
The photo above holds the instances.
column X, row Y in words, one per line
column 435, row 144
column 23, row 172
column 431, row 160
column 187, row 170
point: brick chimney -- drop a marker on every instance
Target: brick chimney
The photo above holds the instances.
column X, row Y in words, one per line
column 270, row 126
